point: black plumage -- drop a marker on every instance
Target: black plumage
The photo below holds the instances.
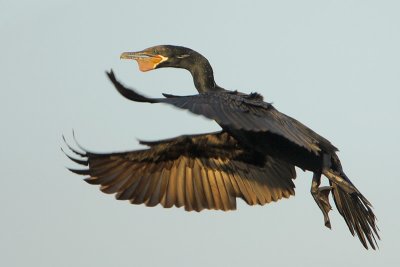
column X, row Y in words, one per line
column 198, row 172
column 252, row 158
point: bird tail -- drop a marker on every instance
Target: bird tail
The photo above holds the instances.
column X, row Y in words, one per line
column 356, row 210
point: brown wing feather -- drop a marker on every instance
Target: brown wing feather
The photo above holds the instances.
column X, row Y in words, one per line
column 198, row 172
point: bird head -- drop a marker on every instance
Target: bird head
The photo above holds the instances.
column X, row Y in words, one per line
column 161, row 56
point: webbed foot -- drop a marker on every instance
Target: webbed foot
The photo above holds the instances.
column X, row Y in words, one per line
column 321, row 197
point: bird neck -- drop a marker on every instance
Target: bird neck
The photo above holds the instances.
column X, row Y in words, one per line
column 202, row 73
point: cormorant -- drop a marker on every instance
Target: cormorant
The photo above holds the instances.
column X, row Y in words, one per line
column 253, row 157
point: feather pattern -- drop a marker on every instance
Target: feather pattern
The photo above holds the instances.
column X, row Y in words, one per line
column 240, row 111
column 195, row 172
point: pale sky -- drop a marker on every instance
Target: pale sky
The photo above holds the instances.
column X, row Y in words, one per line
column 334, row 65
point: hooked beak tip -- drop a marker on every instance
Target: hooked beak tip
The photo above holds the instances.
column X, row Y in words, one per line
column 125, row 55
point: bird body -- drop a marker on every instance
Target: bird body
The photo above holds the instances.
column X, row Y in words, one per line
column 252, row 158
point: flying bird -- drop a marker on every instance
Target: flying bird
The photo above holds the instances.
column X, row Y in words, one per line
column 252, row 158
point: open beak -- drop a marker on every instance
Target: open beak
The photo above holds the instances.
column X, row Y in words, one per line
column 145, row 60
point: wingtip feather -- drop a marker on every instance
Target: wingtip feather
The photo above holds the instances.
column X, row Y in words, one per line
column 79, row 171
column 82, row 154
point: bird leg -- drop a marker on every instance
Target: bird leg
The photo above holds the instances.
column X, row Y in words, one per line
column 320, row 195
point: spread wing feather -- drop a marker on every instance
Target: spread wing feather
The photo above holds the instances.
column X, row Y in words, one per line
column 196, row 172
column 239, row 111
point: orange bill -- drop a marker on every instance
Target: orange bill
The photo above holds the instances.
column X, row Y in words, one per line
column 145, row 60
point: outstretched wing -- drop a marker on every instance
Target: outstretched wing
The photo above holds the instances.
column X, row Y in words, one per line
column 198, row 172
column 239, row 111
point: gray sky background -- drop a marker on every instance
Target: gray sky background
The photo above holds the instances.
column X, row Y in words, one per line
column 334, row 65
